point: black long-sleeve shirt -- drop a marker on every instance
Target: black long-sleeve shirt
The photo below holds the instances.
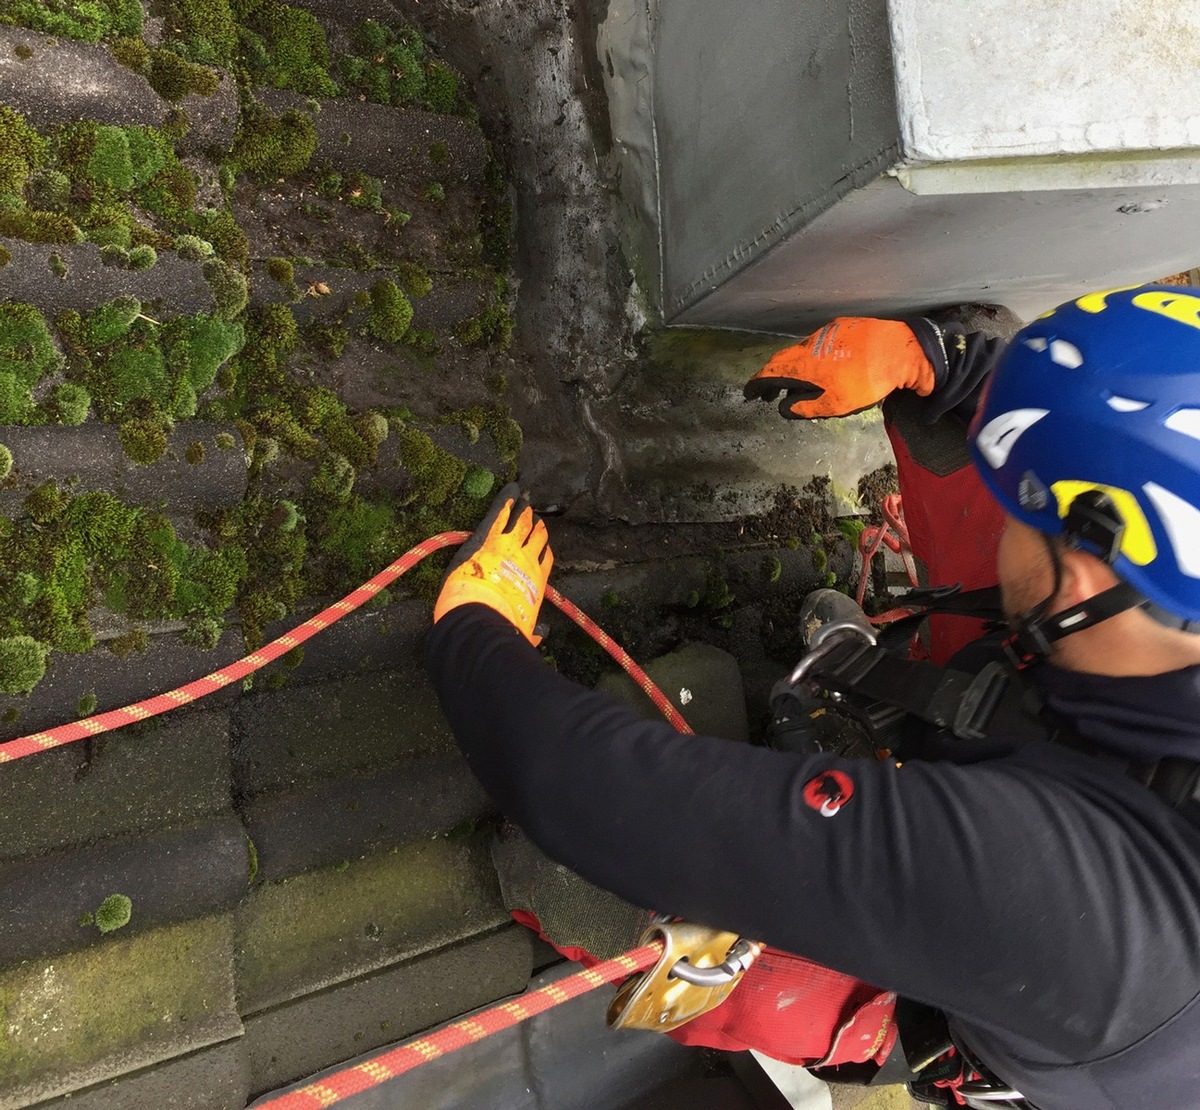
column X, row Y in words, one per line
column 1047, row 903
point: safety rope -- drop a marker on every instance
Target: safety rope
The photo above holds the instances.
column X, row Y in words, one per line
column 360, row 1077
column 184, row 695
column 893, row 534
column 395, row 1062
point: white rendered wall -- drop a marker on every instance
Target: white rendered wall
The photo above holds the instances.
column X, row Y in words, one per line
column 1038, row 78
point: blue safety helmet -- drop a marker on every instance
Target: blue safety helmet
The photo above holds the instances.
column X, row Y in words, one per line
column 1090, row 428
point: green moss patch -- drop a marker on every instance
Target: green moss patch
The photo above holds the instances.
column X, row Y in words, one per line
column 204, row 31
column 65, row 553
column 391, row 312
column 391, row 66
column 115, row 912
column 22, row 663
column 284, row 47
column 86, row 20
column 270, row 146
column 27, row 354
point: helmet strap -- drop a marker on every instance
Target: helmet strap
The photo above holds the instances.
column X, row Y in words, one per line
column 1035, row 630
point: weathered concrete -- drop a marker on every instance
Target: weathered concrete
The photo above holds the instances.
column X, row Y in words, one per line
column 300, row 736
column 169, row 875
column 701, row 681
column 533, row 73
column 292, row 1041
column 63, row 81
column 210, row 1079
column 92, row 455
column 319, row 929
column 297, row 832
column 120, row 1005
column 126, row 782
column 174, row 285
column 691, row 447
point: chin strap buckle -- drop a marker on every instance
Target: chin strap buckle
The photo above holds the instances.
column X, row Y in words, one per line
column 697, row 971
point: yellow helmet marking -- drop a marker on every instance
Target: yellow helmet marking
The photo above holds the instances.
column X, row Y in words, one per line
column 1137, row 545
column 1182, row 307
column 1098, row 302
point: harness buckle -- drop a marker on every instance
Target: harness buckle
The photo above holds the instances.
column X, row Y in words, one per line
column 980, row 701
column 697, row 971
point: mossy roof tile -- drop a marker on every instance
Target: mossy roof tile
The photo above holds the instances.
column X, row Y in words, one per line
column 169, row 875
column 328, row 926
column 63, row 81
column 289, row 1042
column 125, row 1004
column 347, row 818
column 90, row 458
column 307, row 734
column 166, row 663
column 130, row 782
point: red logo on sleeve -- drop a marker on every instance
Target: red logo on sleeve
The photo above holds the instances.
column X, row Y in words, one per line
column 828, row 792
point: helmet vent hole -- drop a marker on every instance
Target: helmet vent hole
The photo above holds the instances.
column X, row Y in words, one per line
column 1186, row 421
column 1127, row 404
column 1066, row 354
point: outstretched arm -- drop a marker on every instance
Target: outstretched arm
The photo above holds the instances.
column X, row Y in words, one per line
column 970, row 888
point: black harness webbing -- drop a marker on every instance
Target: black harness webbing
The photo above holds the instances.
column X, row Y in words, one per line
column 989, row 714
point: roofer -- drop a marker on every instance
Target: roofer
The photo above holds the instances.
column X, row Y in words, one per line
column 1041, row 890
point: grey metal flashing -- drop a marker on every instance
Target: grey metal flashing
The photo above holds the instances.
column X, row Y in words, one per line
column 777, row 232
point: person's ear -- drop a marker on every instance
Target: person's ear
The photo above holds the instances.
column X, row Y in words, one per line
column 1083, row 577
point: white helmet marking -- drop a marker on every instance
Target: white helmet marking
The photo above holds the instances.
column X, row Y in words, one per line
column 1186, row 421
column 1128, row 404
column 1036, row 344
column 998, row 437
column 1181, row 519
column 1066, row 354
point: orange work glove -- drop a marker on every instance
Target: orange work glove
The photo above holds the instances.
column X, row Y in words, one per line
column 852, row 363
column 504, row 565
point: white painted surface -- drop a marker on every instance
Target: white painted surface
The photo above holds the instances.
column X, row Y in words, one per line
column 1029, row 78
column 802, row 1089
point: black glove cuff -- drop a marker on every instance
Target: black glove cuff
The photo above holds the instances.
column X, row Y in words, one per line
column 933, row 343
column 961, row 361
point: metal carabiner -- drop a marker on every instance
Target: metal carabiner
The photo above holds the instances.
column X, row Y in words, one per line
column 739, row 959
column 823, row 641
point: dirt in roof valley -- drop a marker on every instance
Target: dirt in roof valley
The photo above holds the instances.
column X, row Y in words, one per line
column 367, row 251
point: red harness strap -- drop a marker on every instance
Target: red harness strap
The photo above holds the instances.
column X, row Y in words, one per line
column 794, row 1010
